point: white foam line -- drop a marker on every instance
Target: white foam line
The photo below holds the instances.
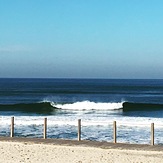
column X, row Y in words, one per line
column 87, row 105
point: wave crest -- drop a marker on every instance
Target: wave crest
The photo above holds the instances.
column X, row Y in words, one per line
column 88, row 105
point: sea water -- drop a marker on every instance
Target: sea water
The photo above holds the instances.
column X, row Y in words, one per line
column 133, row 104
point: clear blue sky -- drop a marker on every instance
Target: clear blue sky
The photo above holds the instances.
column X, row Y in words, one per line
column 81, row 38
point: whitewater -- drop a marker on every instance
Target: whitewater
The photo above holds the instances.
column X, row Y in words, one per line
column 88, row 105
column 97, row 123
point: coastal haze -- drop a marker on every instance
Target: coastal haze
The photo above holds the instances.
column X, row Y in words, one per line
column 81, row 39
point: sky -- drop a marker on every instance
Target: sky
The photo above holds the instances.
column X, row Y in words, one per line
column 81, row 39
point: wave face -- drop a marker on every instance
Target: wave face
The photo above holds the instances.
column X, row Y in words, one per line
column 43, row 107
column 127, row 106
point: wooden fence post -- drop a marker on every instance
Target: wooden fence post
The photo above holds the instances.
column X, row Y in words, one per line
column 45, row 128
column 152, row 133
column 79, row 129
column 12, row 127
column 114, row 132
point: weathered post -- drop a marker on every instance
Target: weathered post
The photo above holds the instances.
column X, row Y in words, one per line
column 114, row 132
column 152, row 133
column 79, row 129
column 12, row 127
column 45, row 128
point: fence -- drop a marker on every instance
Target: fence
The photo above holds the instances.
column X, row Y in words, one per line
column 79, row 130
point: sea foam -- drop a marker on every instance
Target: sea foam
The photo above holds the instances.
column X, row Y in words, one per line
column 88, row 105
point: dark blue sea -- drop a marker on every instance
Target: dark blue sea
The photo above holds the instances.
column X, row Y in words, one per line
column 134, row 104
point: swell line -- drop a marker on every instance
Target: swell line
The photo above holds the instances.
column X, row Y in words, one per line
column 43, row 107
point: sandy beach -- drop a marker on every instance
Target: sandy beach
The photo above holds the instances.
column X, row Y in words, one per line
column 14, row 150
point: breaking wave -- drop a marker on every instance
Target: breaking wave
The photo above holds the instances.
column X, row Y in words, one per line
column 48, row 107
column 87, row 105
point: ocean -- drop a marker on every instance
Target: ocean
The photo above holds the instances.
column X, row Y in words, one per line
column 133, row 104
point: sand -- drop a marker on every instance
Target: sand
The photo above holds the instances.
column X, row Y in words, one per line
column 14, row 150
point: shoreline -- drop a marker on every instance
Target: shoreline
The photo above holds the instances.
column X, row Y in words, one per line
column 85, row 143
column 37, row 150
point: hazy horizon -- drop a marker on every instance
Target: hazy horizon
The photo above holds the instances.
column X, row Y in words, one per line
column 81, row 39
